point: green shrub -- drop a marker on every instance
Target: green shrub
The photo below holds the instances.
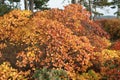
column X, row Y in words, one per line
column 53, row 74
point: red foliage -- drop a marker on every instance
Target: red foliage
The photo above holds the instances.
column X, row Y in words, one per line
column 116, row 45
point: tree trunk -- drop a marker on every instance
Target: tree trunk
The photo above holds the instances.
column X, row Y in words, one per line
column 31, row 3
column 118, row 15
column 95, row 15
column 90, row 8
column 26, row 4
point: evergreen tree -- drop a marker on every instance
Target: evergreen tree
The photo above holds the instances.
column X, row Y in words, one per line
column 113, row 3
column 4, row 8
column 35, row 4
column 28, row 4
column 116, row 3
column 92, row 5
column 40, row 4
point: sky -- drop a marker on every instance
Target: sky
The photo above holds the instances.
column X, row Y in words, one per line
column 61, row 3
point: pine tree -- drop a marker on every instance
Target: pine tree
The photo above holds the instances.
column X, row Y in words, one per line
column 116, row 3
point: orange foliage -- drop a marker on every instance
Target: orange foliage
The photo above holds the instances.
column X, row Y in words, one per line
column 77, row 20
column 59, row 47
column 53, row 38
column 112, row 26
column 107, row 63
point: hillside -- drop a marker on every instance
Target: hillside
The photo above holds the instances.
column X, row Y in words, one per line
column 57, row 44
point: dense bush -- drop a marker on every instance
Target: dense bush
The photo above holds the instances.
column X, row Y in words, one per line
column 107, row 64
column 9, row 73
column 80, row 26
column 63, row 43
column 54, row 74
column 112, row 26
column 12, row 33
column 58, row 47
column 90, row 75
column 56, row 39
column 116, row 45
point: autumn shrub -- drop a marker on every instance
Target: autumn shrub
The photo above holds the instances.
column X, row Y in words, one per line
column 107, row 64
column 90, row 75
column 13, row 32
column 99, row 43
column 34, row 42
column 53, row 74
column 12, row 26
column 35, row 37
column 76, row 18
column 9, row 73
column 58, row 47
column 112, row 26
column 55, row 39
column 111, row 69
column 115, row 45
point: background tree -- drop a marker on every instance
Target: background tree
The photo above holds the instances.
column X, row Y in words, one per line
column 4, row 8
column 26, row 4
column 2, row 1
column 92, row 5
column 41, row 4
column 98, row 4
column 77, row 1
column 113, row 3
column 116, row 3
column 31, row 5
column 14, row 4
column 35, row 4
column 73, row 1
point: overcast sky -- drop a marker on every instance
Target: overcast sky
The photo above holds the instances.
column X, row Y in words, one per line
column 60, row 4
